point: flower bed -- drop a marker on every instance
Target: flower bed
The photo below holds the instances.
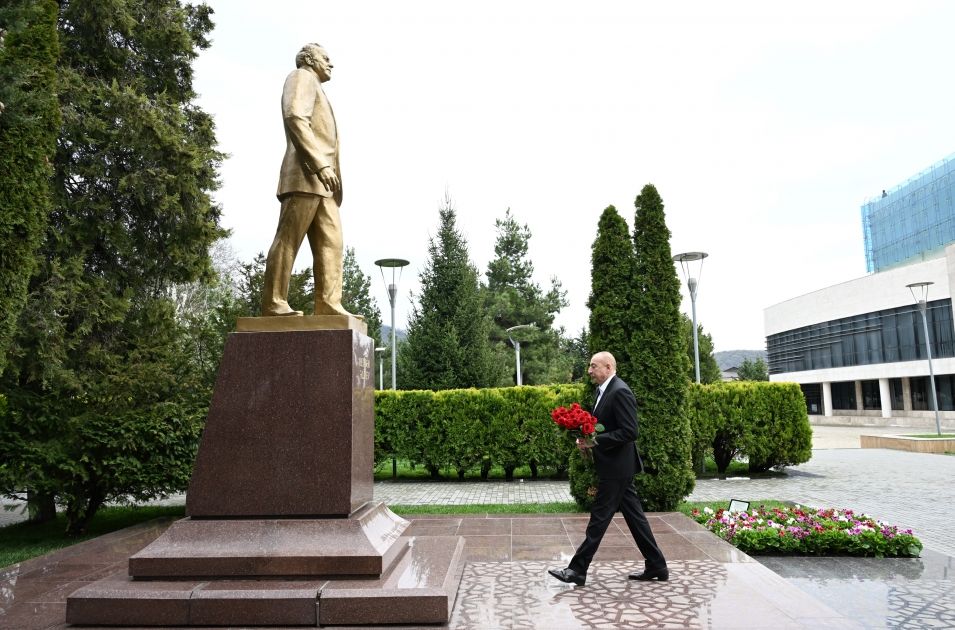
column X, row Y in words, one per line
column 801, row 530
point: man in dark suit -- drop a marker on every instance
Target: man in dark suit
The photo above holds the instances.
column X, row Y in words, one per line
column 617, row 461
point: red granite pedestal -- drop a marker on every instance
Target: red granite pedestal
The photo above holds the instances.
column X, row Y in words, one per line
column 281, row 526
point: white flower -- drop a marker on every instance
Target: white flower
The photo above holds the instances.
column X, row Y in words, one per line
column 707, row 510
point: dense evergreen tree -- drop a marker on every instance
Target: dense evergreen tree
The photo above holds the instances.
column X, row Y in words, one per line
column 658, row 359
column 514, row 299
column 753, row 370
column 356, row 295
column 251, row 278
column 448, row 344
column 611, row 291
column 709, row 369
column 29, row 122
column 578, row 350
column 104, row 402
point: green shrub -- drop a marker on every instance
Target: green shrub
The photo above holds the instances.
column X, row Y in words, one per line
column 583, row 479
column 764, row 422
column 779, row 432
column 466, row 428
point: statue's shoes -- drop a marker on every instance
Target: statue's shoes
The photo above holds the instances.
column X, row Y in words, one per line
column 290, row 312
column 325, row 309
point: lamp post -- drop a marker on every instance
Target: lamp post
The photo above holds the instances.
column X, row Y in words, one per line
column 920, row 295
column 686, row 261
column 393, row 264
column 381, row 366
column 517, row 347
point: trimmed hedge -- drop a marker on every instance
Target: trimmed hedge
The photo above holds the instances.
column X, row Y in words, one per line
column 766, row 423
column 463, row 429
column 466, row 429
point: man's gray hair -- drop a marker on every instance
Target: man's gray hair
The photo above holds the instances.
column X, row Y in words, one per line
column 306, row 51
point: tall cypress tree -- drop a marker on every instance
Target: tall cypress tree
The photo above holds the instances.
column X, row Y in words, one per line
column 658, row 360
column 611, row 291
column 448, row 344
column 29, row 122
column 102, row 400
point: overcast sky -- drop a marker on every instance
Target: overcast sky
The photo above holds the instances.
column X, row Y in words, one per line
column 763, row 125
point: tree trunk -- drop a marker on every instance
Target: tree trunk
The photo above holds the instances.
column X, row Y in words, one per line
column 533, row 466
column 723, row 452
column 41, row 507
column 509, row 472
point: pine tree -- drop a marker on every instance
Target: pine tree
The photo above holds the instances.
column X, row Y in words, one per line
column 514, row 299
column 658, row 360
column 356, row 295
column 611, row 291
column 753, row 370
column 29, row 121
column 448, row 344
column 103, row 401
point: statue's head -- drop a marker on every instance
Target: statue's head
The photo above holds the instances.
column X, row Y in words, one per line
column 314, row 57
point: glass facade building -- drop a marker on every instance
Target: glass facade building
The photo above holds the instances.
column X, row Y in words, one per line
column 911, row 221
column 882, row 336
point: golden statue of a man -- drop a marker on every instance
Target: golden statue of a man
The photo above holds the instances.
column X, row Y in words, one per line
column 310, row 190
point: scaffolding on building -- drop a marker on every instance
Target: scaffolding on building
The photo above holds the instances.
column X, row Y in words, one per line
column 913, row 221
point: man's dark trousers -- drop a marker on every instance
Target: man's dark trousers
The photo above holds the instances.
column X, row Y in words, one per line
column 611, row 495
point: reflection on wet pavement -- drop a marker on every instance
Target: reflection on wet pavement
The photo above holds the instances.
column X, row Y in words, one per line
column 505, row 584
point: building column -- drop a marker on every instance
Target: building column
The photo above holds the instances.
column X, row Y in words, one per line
column 885, row 394
column 860, row 404
column 827, row 399
column 906, row 394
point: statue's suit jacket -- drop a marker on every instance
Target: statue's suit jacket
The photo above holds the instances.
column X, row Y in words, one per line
column 311, row 136
column 615, row 454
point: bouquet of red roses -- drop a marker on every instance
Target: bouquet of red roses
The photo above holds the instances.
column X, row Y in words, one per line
column 577, row 421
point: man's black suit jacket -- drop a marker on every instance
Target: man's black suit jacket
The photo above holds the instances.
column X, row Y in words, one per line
column 615, row 455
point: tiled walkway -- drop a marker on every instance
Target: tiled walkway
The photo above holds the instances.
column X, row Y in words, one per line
column 505, row 583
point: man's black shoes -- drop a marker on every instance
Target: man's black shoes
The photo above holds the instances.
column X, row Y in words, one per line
column 651, row 574
column 569, row 576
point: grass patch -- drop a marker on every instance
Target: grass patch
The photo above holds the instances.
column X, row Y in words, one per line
column 403, row 470
column 933, row 436
column 22, row 541
column 735, row 469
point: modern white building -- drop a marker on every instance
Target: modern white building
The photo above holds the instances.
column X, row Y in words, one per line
column 858, row 348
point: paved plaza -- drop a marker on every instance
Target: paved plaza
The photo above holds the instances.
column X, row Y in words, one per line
column 714, row 586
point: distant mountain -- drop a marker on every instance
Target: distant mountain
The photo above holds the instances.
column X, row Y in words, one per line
column 734, row 358
column 386, row 334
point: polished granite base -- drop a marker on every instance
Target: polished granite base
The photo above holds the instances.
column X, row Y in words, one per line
column 363, row 545
column 419, row 588
column 505, row 585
